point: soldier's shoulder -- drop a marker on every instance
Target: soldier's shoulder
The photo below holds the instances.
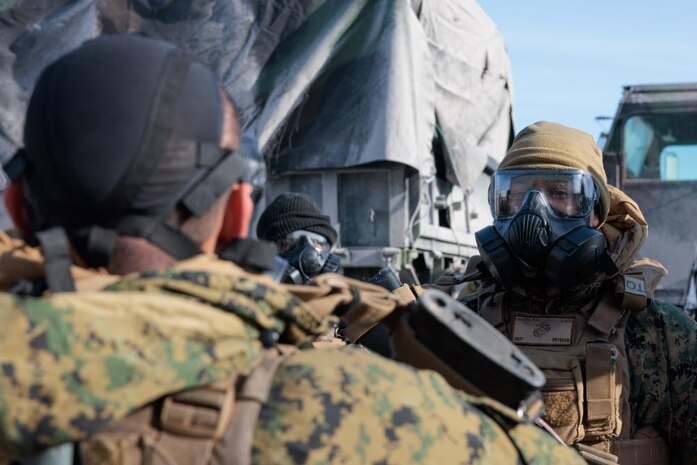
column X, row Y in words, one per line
column 661, row 342
column 663, row 317
column 258, row 300
column 349, row 405
column 74, row 362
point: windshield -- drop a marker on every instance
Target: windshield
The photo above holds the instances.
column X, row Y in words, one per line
column 661, row 146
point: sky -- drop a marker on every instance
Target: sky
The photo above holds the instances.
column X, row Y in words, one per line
column 570, row 58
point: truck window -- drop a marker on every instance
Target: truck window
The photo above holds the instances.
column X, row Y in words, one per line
column 661, row 146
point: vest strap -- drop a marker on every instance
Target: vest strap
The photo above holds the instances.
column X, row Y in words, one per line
column 600, row 388
column 606, row 316
column 57, row 259
column 595, row 456
column 405, row 293
column 201, row 413
column 209, row 425
column 235, row 447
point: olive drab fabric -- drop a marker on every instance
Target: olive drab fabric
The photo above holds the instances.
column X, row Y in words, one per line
column 74, row 364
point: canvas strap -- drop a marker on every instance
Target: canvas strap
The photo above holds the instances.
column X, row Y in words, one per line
column 606, row 316
column 600, row 388
column 235, row 447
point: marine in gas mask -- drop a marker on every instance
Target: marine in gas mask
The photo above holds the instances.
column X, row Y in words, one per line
column 560, row 277
column 303, row 235
column 544, row 235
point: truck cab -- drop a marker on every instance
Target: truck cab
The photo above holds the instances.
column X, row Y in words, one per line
column 651, row 154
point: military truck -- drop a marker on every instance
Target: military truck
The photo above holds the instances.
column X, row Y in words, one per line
column 398, row 139
column 390, row 114
column 651, row 153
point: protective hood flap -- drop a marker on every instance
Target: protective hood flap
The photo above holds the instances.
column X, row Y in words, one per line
column 651, row 270
column 626, row 231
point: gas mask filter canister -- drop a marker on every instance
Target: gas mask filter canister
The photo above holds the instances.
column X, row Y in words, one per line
column 308, row 255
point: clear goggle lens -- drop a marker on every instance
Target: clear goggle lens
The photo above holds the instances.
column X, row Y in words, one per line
column 318, row 241
column 569, row 193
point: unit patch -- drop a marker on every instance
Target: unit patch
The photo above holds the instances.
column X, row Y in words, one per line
column 634, row 286
column 552, row 331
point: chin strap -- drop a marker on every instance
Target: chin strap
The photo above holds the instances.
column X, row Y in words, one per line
column 57, row 260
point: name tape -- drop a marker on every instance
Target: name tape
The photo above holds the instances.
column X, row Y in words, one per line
column 553, row 331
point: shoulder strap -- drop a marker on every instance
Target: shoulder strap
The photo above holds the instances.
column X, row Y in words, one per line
column 235, row 446
column 57, row 260
column 207, row 425
column 606, row 316
column 250, row 254
column 629, row 296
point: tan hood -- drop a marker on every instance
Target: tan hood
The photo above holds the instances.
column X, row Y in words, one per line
column 551, row 146
column 626, row 231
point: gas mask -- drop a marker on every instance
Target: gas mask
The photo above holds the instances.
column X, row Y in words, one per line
column 542, row 234
column 308, row 255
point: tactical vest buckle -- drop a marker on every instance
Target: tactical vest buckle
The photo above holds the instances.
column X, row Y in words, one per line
column 201, row 413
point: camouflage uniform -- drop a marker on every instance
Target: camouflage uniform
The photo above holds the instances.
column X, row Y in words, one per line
column 75, row 362
column 369, row 410
column 662, row 352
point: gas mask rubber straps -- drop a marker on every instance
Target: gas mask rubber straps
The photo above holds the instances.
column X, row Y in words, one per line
column 542, row 234
column 308, row 254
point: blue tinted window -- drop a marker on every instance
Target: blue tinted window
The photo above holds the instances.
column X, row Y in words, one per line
column 661, row 146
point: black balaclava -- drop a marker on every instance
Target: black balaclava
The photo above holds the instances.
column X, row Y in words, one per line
column 113, row 127
column 118, row 134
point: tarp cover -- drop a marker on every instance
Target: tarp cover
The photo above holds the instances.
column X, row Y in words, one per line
column 321, row 83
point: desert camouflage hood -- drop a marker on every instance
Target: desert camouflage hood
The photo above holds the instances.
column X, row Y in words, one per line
column 74, row 362
column 626, row 231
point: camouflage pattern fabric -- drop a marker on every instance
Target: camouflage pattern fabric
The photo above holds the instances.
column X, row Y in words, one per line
column 265, row 305
column 349, row 406
column 73, row 362
column 662, row 352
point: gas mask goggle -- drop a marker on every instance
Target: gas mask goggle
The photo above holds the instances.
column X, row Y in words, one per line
column 308, row 254
column 542, row 232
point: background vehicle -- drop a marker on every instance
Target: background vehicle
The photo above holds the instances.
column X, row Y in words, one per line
column 390, row 114
column 651, row 153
